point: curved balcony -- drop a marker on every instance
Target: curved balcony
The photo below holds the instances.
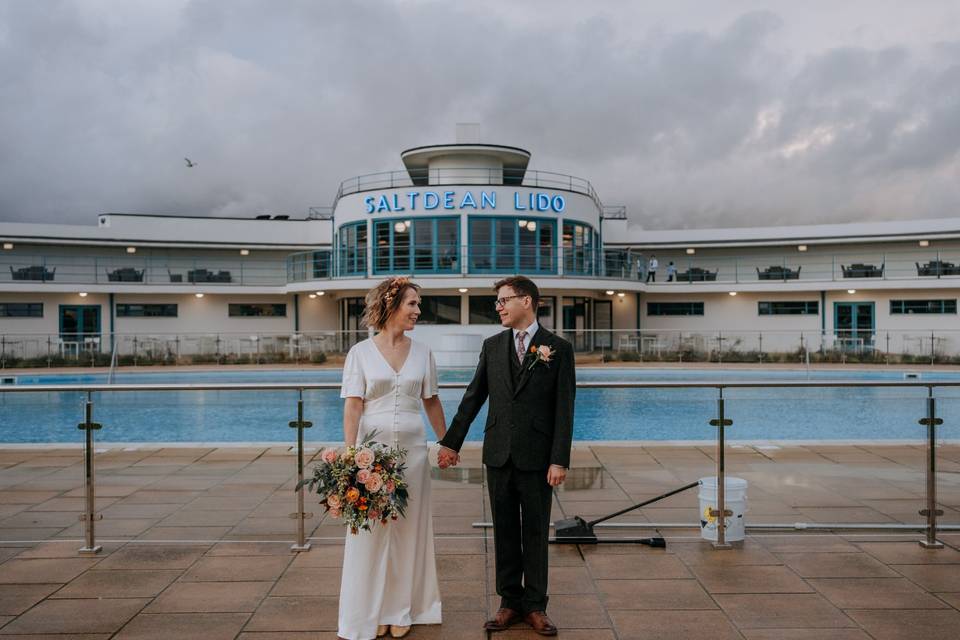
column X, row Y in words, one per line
column 494, row 176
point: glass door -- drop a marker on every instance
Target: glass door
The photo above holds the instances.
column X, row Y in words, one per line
column 79, row 328
column 854, row 324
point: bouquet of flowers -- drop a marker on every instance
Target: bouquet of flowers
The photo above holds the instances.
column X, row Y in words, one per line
column 362, row 485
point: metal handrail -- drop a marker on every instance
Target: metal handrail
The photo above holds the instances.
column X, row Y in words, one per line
column 720, row 422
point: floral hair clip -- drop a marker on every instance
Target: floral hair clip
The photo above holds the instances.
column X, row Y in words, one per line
column 395, row 285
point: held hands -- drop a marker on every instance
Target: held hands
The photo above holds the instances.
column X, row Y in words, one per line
column 447, row 458
column 556, row 475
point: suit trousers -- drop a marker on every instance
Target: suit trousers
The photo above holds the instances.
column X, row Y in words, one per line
column 520, row 502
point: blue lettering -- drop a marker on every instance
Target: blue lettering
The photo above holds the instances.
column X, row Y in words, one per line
column 412, row 196
column 488, row 198
column 516, row 202
column 543, row 202
column 383, row 205
column 558, row 203
column 396, row 203
column 448, row 199
column 468, row 201
column 369, row 202
column 431, row 199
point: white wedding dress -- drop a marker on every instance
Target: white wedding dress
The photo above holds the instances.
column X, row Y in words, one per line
column 389, row 573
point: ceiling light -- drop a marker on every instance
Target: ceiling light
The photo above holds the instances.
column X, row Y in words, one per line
column 131, row 249
column 399, row 227
column 7, row 246
column 733, row 293
column 321, row 293
column 801, row 247
column 609, row 292
column 199, row 295
column 691, row 251
column 621, row 294
column 531, row 226
column 924, row 243
column 312, row 295
column 82, row 294
column 522, row 223
column 463, row 289
column 851, row 290
column 244, row 252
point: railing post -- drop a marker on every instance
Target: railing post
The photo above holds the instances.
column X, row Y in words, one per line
column 89, row 516
column 721, row 512
column 931, row 512
column 300, row 424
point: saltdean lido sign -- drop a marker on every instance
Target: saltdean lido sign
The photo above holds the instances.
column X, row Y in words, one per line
column 427, row 200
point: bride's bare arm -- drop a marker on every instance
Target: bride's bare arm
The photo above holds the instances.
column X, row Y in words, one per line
column 434, row 411
column 352, row 410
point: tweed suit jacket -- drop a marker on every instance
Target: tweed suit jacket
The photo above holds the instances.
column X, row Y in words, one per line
column 530, row 417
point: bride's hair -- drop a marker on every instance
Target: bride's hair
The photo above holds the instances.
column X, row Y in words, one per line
column 384, row 299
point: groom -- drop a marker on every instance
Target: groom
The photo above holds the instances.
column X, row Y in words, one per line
column 528, row 374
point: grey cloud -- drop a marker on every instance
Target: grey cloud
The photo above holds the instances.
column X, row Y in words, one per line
column 279, row 102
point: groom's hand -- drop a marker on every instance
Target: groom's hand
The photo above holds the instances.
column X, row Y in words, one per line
column 556, row 475
column 447, row 458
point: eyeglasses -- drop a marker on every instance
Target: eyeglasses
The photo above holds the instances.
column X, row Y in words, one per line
column 499, row 302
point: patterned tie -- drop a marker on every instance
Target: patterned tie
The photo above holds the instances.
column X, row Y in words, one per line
column 521, row 350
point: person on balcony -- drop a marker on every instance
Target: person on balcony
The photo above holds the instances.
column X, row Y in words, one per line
column 652, row 269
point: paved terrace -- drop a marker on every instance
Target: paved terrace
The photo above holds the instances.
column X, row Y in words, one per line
column 196, row 544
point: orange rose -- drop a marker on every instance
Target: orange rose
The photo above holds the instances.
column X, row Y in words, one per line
column 352, row 494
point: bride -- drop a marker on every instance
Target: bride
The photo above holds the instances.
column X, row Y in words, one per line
column 389, row 574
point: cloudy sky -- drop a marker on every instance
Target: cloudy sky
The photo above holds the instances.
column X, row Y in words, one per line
column 693, row 114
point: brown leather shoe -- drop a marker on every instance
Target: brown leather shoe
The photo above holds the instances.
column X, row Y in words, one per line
column 540, row 623
column 504, row 618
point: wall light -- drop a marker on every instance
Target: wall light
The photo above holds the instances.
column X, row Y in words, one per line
column 851, row 290
column 244, row 252
column 691, row 251
column 321, row 293
column 199, row 295
column 924, row 243
column 733, row 293
column 609, row 292
column 82, row 294
column 463, row 289
column 7, row 246
column 312, row 296
column 801, row 247
column 621, row 294
column 131, row 249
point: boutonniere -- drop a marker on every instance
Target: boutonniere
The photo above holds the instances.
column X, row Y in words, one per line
column 539, row 355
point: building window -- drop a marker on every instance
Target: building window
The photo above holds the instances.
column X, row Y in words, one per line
column 352, row 249
column 674, row 308
column 512, row 245
column 578, row 248
column 21, row 309
column 146, row 311
column 257, row 310
column 482, row 310
column 922, row 306
column 419, row 245
column 789, row 308
column 439, row 310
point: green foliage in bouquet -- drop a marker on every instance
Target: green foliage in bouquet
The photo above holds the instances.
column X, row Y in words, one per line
column 362, row 485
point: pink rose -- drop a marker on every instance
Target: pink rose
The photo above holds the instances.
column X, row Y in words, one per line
column 333, row 501
column 364, row 458
column 391, row 486
column 335, row 513
column 545, row 353
column 363, row 476
column 329, row 456
column 373, row 515
column 374, row 483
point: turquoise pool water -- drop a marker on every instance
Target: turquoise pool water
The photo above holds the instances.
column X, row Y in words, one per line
column 601, row 414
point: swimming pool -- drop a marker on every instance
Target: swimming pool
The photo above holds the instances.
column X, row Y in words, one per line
column 601, row 414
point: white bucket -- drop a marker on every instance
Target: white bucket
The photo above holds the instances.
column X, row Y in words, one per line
column 735, row 500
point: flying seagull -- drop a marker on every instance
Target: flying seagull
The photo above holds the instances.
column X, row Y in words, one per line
column 190, row 164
